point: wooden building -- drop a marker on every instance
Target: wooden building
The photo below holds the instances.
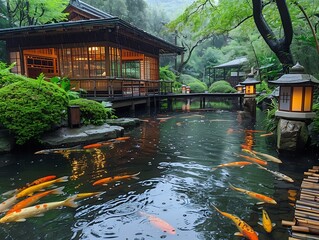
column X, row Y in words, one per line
column 101, row 54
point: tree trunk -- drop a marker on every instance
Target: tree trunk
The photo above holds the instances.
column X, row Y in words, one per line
column 281, row 47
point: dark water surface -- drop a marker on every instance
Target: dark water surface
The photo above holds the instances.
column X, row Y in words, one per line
column 176, row 184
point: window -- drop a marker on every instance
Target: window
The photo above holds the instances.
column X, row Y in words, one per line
column 131, row 69
column 15, row 58
column 115, row 62
column 97, row 61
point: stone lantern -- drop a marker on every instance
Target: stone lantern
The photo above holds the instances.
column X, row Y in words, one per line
column 240, row 88
column 250, row 85
column 295, row 108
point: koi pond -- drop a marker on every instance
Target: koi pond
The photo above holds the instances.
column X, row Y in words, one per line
column 166, row 182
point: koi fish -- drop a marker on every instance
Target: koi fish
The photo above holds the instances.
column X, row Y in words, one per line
column 266, row 134
column 258, row 196
column 233, row 164
column 22, row 214
column 159, row 223
column 33, row 199
column 252, row 159
column 94, row 145
column 279, row 175
column 35, row 182
column 268, row 157
column 266, row 222
column 244, row 229
column 122, row 138
column 114, row 179
column 58, row 150
column 7, row 204
column 86, row 195
column 38, row 187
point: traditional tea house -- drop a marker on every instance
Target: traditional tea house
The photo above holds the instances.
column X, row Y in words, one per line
column 100, row 53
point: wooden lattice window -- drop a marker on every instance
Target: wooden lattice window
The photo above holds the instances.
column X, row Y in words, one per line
column 97, row 61
column 15, row 58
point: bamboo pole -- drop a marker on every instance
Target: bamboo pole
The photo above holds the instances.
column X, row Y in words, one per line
column 315, row 167
column 305, row 236
column 308, row 215
column 307, row 197
column 310, row 192
column 307, row 222
column 308, row 209
column 304, row 229
column 307, row 203
column 311, row 174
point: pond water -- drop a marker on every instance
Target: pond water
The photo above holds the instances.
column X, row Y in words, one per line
column 174, row 155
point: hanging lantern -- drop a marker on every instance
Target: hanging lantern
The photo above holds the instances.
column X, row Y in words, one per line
column 296, row 93
column 250, row 84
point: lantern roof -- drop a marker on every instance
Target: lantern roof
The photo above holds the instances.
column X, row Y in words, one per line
column 239, row 85
column 250, row 80
column 297, row 75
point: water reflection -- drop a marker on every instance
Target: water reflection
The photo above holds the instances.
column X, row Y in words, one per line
column 175, row 154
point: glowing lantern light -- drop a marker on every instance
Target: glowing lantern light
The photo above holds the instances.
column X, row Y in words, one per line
column 296, row 94
column 250, row 84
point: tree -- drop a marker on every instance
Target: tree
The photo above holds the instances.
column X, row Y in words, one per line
column 33, row 12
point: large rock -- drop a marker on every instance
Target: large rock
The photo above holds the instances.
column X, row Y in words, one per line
column 124, row 122
column 74, row 136
column 292, row 135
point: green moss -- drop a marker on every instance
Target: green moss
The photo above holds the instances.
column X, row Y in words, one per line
column 30, row 107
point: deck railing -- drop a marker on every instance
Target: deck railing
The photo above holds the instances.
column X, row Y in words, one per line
column 120, row 87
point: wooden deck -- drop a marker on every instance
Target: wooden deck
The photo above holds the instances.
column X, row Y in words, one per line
column 305, row 224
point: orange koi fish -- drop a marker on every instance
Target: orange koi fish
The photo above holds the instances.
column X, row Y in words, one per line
column 86, row 195
column 122, row 138
column 38, row 187
column 114, row 179
column 258, row 196
column 37, row 210
column 33, row 199
column 244, row 229
column 94, row 145
column 233, row 164
column 159, row 223
column 35, row 182
column 266, row 222
column 253, row 159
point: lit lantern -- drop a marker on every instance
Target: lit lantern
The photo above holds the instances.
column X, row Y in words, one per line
column 250, row 84
column 240, row 88
column 183, row 89
column 296, row 94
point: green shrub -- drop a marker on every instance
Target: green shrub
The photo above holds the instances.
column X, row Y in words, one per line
column 6, row 77
column 197, row 87
column 221, row 86
column 187, row 79
column 92, row 112
column 167, row 74
column 29, row 108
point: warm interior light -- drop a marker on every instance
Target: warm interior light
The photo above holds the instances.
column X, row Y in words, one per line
column 250, row 89
column 308, row 99
column 297, row 93
column 239, row 89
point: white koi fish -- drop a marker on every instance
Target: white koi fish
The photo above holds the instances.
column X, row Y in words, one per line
column 266, row 222
column 268, row 157
column 279, row 175
column 22, row 214
column 7, row 204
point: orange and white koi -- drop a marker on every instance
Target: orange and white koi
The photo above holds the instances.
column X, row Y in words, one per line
column 266, row 222
column 258, row 196
column 7, row 204
column 22, row 214
column 159, row 223
column 233, row 164
column 279, row 175
column 114, row 179
column 244, row 229
column 33, row 199
column 35, row 182
column 253, row 159
column 268, row 157
column 38, row 187
column 86, row 195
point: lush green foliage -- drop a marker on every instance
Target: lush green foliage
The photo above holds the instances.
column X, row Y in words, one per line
column 33, row 12
column 198, row 87
column 6, row 77
column 221, row 86
column 65, row 84
column 271, row 121
column 92, row 112
column 30, row 107
column 167, row 74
